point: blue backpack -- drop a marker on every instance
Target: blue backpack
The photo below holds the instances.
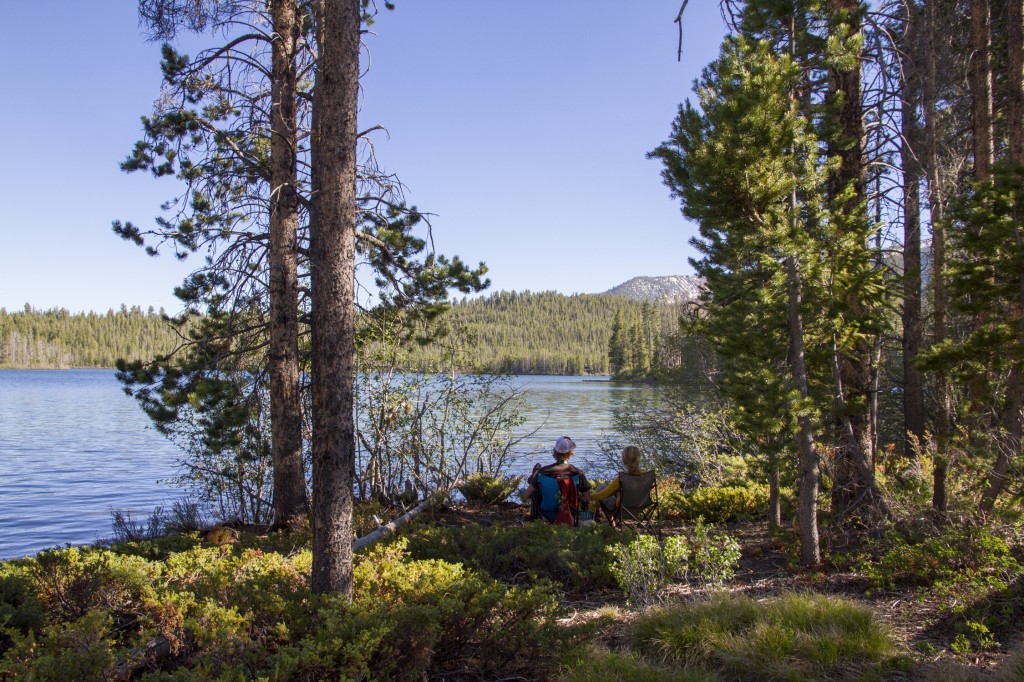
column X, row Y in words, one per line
column 559, row 498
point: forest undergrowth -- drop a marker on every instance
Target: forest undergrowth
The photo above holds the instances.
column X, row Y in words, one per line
column 476, row 591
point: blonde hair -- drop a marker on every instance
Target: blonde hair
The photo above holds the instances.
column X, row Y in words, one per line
column 631, row 457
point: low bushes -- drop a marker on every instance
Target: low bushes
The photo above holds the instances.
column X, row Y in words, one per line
column 484, row 489
column 719, row 504
column 940, row 556
column 572, row 557
column 970, row 571
column 232, row 613
column 645, row 566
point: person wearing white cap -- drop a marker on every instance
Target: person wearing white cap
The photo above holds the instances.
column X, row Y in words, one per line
column 561, row 468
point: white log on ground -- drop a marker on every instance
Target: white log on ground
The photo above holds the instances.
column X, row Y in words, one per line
column 388, row 528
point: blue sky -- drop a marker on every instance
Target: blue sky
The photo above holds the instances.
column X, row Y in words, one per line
column 523, row 127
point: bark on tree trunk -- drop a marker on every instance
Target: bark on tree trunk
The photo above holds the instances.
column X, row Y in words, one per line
column 936, row 204
column 981, row 87
column 854, row 489
column 774, row 496
column 1011, row 417
column 1015, row 80
column 810, row 552
column 1008, row 449
column 290, row 503
column 332, row 269
column 913, row 394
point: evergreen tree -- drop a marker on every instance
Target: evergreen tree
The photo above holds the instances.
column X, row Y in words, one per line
column 215, row 130
column 746, row 170
column 617, row 345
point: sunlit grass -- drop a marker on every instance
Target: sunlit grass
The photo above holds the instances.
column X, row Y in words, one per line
column 794, row 637
column 593, row 663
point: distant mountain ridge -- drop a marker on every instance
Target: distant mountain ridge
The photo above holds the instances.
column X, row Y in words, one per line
column 672, row 288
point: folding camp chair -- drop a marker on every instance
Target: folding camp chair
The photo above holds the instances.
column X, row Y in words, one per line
column 558, row 499
column 637, row 502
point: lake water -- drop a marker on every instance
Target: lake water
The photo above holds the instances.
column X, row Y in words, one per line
column 73, row 446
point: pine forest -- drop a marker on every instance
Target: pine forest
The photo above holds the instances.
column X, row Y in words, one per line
column 514, row 333
column 58, row 339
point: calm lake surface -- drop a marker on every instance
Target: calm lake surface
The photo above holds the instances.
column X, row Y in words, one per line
column 73, row 446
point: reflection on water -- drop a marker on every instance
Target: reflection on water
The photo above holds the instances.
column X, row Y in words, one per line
column 73, row 446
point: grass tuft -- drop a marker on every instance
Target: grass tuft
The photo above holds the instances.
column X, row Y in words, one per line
column 593, row 663
column 797, row 636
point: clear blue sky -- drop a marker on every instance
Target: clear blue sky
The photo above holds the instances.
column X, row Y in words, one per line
column 522, row 125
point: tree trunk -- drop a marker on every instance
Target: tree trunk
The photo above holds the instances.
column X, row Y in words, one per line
column 1011, row 417
column 332, row 264
column 944, row 413
column 774, row 496
column 1015, row 79
column 810, row 552
column 854, row 489
column 981, row 87
column 290, row 504
column 1009, row 448
column 913, row 393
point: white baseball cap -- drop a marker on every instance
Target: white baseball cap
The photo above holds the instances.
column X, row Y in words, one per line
column 564, row 445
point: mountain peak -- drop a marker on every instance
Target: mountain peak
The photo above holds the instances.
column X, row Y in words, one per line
column 672, row 288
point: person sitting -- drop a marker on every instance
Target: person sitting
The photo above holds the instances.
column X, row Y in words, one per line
column 608, row 497
column 558, row 489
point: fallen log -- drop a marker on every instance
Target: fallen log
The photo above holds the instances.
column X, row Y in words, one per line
column 388, row 528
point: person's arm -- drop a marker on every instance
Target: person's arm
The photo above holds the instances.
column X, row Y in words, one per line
column 531, row 484
column 607, row 491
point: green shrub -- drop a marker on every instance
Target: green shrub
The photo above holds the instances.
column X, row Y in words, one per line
column 484, row 489
column 73, row 581
column 645, row 566
column 156, row 549
column 574, row 557
column 265, row 585
column 79, row 650
column 413, row 619
column 237, row 613
column 950, row 558
column 795, row 637
column 714, row 555
column 20, row 607
column 715, row 504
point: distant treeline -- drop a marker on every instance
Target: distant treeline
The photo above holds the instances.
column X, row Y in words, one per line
column 57, row 338
column 520, row 333
column 547, row 332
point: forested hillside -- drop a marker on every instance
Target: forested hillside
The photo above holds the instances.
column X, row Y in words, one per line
column 56, row 339
column 522, row 333
column 547, row 332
